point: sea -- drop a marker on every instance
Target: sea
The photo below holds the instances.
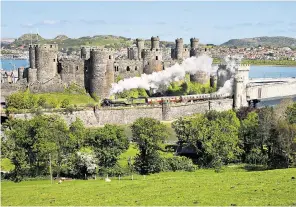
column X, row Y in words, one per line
column 255, row 72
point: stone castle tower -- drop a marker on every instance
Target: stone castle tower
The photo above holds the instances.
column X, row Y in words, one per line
column 241, row 80
column 43, row 62
column 101, row 72
column 46, row 58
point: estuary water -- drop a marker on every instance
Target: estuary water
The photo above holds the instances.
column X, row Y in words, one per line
column 272, row 72
column 255, row 71
column 9, row 65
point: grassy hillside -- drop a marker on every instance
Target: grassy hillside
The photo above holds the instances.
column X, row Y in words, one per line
column 108, row 41
column 75, row 43
column 263, row 41
column 234, row 186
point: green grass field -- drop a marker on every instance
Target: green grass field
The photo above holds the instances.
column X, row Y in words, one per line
column 75, row 99
column 233, row 186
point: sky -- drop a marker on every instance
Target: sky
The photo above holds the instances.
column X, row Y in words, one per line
column 211, row 22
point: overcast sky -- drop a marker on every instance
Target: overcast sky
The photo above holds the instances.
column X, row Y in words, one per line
column 211, row 22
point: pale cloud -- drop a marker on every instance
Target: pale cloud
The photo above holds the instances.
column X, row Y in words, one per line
column 93, row 22
column 249, row 24
column 45, row 23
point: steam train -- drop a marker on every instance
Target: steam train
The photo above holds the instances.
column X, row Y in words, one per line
column 161, row 100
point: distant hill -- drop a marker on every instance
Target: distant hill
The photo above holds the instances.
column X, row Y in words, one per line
column 65, row 43
column 263, row 41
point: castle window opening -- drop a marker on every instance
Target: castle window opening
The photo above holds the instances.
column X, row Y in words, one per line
column 53, row 60
column 128, row 68
column 109, row 57
column 156, row 57
column 115, row 68
column 77, row 67
column 136, row 68
column 50, row 46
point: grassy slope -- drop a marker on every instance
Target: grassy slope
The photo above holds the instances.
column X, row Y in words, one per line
column 264, row 41
column 203, row 187
column 77, row 99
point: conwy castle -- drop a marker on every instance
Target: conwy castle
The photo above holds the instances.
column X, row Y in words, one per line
column 97, row 68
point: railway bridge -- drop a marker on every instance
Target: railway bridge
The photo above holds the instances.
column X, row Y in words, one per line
column 251, row 91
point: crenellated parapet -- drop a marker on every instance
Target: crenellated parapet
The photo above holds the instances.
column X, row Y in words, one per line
column 49, row 47
column 155, row 42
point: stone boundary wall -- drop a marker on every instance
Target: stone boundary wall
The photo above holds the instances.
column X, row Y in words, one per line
column 128, row 115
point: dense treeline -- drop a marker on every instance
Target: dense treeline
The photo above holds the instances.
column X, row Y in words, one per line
column 285, row 62
column 265, row 136
column 262, row 136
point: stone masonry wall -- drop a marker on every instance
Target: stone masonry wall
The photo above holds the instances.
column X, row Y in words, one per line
column 129, row 115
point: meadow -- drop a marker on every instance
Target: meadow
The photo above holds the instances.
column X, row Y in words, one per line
column 233, row 186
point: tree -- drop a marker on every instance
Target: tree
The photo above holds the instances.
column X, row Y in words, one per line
column 281, row 108
column 282, row 145
column 213, row 136
column 291, row 114
column 222, row 144
column 250, row 141
column 148, row 133
column 108, row 143
column 35, row 139
column 84, row 164
column 77, row 134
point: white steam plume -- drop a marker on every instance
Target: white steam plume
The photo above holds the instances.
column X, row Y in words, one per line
column 231, row 63
column 174, row 73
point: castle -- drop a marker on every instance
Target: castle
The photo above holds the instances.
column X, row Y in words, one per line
column 98, row 68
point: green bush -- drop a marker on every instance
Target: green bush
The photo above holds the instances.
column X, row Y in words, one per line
column 65, row 103
column 178, row 163
column 52, row 104
column 114, row 171
column 75, row 89
column 41, row 101
column 21, row 100
column 69, row 109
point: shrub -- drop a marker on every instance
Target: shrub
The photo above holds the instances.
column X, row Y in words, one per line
column 53, row 103
column 75, row 89
column 114, row 171
column 69, row 109
column 41, row 101
column 178, row 163
column 65, row 103
column 21, row 100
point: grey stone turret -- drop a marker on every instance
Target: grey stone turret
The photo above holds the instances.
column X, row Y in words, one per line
column 83, row 54
column 46, row 61
column 32, row 56
column 154, row 42
column 140, row 46
column 194, row 46
column 179, row 48
column 101, row 73
column 20, row 73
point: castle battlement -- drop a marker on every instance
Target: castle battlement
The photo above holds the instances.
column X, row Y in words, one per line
column 179, row 40
column 103, row 50
column 32, row 45
column 53, row 47
column 193, row 39
column 155, row 38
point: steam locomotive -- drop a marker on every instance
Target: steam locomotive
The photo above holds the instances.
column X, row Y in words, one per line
column 161, row 100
